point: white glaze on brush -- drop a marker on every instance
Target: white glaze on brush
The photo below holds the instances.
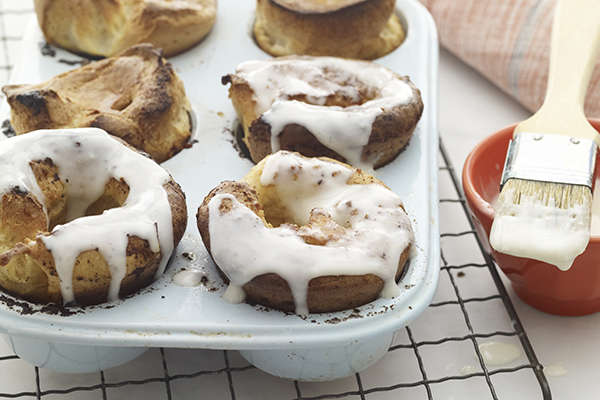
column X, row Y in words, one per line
column 345, row 130
column 541, row 231
column 86, row 159
column 378, row 230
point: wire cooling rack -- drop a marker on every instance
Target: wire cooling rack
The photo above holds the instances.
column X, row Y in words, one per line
column 435, row 357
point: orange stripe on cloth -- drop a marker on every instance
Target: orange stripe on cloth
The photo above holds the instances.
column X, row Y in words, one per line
column 507, row 41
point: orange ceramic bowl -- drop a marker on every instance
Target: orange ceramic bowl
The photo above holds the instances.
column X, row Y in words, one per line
column 542, row 286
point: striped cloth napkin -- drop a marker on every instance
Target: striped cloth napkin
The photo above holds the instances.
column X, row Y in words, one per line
column 508, row 41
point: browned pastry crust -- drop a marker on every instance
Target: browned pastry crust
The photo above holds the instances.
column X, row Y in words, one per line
column 106, row 27
column 325, row 293
column 135, row 95
column 27, row 267
column 390, row 133
column 366, row 29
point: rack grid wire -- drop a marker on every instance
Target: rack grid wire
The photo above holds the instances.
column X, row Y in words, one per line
column 435, row 357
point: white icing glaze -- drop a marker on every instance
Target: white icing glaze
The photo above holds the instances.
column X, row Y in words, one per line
column 468, row 370
column 86, row 159
column 345, row 130
column 497, row 354
column 188, row 277
column 378, row 229
column 541, row 231
column 577, row 235
column 556, row 369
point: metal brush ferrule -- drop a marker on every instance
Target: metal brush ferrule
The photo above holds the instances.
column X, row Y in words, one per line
column 550, row 158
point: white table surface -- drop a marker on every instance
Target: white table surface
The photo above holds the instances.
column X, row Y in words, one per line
column 470, row 107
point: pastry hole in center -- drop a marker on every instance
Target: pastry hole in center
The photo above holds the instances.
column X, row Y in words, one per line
column 114, row 196
column 58, row 202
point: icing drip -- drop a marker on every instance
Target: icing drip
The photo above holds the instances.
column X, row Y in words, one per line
column 189, row 278
column 86, row 159
column 376, row 229
column 539, row 229
column 346, row 130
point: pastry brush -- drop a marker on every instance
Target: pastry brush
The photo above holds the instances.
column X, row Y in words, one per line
column 544, row 208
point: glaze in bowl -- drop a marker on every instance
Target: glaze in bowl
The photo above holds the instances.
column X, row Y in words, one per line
column 542, row 286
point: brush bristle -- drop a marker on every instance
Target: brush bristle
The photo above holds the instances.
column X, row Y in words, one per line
column 551, row 194
column 549, row 222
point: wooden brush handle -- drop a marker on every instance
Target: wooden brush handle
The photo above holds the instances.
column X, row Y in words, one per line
column 574, row 48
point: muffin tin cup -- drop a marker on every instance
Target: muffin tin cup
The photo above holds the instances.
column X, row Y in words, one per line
column 315, row 347
column 71, row 358
column 323, row 363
